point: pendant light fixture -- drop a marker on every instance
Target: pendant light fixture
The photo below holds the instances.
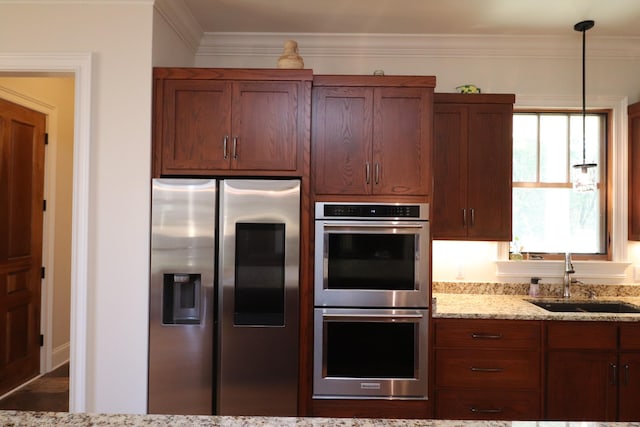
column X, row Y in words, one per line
column 584, row 174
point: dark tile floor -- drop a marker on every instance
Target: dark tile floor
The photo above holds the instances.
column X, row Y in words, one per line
column 48, row 393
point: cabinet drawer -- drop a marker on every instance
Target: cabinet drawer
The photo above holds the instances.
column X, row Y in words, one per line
column 487, row 368
column 482, row 334
column 488, row 405
column 582, row 335
column 630, row 336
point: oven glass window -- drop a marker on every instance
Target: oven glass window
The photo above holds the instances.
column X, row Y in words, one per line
column 371, row 349
column 371, row 261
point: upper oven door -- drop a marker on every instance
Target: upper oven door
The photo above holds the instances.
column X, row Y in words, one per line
column 371, row 263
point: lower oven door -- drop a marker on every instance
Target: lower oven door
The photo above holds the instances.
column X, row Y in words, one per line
column 363, row 353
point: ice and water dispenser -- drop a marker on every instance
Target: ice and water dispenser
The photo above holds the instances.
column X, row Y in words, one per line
column 181, row 296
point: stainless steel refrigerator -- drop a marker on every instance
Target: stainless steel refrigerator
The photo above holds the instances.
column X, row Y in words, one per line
column 223, row 332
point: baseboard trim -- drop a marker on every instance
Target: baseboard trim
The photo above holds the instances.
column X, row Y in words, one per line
column 60, row 355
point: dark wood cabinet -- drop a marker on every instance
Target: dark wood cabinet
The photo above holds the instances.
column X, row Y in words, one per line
column 372, row 135
column 634, row 171
column 235, row 122
column 487, row 369
column 593, row 371
column 472, row 157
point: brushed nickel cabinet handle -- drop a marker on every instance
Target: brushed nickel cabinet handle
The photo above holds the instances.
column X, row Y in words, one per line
column 473, row 216
column 377, row 173
column 486, row 410
column 481, row 336
column 626, row 374
column 225, row 141
column 475, row 369
column 235, row 147
column 464, row 217
column 367, row 172
column 614, row 374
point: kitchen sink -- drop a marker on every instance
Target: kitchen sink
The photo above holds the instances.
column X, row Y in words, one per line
column 586, row 306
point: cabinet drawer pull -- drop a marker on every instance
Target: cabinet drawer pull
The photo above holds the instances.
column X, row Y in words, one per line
column 377, row 176
column 626, row 374
column 464, row 217
column 475, row 369
column 235, row 147
column 367, row 172
column 473, row 216
column 485, row 411
column 225, row 141
column 481, row 336
column 614, row 374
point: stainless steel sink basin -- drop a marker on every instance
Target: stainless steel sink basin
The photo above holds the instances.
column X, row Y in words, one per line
column 586, row 306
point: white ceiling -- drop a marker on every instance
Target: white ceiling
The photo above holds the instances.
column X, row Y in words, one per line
column 483, row 17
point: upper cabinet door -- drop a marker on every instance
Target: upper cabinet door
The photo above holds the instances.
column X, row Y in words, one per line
column 402, row 141
column 264, row 126
column 490, row 158
column 197, row 120
column 450, row 133
column 341, row 140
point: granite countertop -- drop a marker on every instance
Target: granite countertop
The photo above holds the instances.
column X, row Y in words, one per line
column 40, row 419
column 481, row 301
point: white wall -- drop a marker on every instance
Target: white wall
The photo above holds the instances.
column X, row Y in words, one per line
column 119, row 35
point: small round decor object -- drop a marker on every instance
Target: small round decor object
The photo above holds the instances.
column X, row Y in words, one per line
column 469, row 88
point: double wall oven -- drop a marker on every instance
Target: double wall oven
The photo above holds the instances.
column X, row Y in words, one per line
column 371, row 293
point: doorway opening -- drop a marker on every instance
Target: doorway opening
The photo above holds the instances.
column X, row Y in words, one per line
column 79, row 66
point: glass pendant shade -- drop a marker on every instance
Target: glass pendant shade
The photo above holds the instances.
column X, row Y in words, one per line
column 585, row 177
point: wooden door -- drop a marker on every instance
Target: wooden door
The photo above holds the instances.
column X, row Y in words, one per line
column 341, row 140
column 264, row 126
column 22, row 139
column 402, row 141
column 196, row 126
column 489, row 168
column 450, row 134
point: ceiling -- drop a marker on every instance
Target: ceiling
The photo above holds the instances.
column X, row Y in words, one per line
column 619, row 18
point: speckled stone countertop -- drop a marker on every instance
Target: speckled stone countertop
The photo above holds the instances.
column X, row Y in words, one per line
column 38, row 419
column 509, row 301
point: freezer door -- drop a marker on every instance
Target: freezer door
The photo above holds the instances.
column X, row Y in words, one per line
column 181, row 325
column 259, row 243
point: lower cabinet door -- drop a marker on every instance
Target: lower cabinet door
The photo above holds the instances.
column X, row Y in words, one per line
column 488, row 405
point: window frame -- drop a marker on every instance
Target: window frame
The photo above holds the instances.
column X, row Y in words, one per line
column 606, row 157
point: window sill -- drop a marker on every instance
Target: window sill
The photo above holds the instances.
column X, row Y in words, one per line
column 591, row 271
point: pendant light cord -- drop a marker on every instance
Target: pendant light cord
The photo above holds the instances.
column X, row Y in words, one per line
column 584, row 95
column 583, row 26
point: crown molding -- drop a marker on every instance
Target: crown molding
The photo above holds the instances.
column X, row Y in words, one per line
column 417, row 45
column 181, row 20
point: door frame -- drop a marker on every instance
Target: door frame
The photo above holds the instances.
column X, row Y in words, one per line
column 79, row 64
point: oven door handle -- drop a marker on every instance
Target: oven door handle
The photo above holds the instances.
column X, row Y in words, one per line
column 386, row 226
column 372, row 316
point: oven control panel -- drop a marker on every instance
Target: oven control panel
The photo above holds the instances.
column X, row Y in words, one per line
column 327, row 210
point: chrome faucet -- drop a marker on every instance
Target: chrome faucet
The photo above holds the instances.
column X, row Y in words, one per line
column 568, row 271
